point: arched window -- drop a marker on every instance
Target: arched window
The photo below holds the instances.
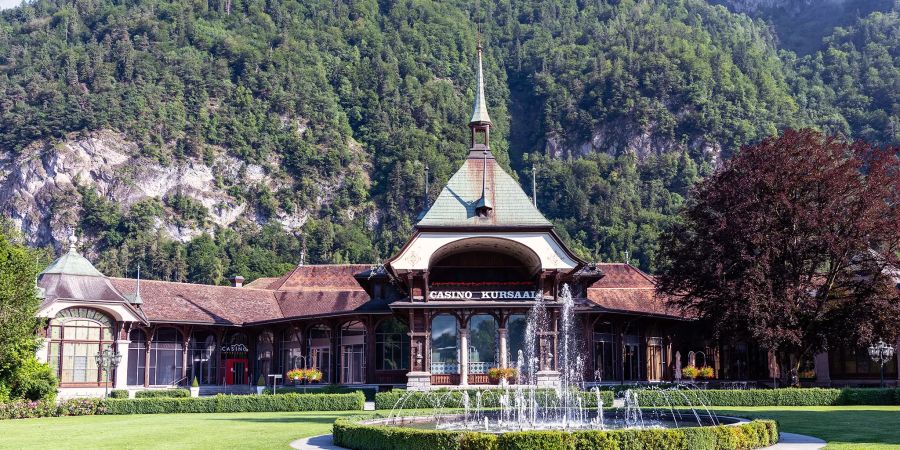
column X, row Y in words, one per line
column 444, row 345
column 137, row 357
column 353, row 353
column 166, row 353
column 291, row 351
column 320, row 350
column 391, row 345
column 482, row 343
column 76, row 335
column 203, row 357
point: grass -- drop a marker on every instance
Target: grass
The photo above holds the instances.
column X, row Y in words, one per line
column 843, row 427
column 169, row 431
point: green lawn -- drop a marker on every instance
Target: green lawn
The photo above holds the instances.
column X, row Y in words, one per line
column 171, row 431
column 844, row 427
column 848, row 427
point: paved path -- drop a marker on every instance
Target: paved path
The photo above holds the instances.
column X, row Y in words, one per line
column 787, row 441
column 791, row 441
column 322, row 442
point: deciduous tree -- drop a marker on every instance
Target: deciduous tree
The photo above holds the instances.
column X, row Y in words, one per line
column 793, row 243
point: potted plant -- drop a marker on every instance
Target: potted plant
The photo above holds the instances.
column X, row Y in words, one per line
column 260, row 384
column 690, row 372
column 706, row 373
column 313, row 375
column 502, row 375
column 195, row 388
column 295, row 375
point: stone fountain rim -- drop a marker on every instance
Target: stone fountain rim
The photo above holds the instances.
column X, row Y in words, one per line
column 400, row 421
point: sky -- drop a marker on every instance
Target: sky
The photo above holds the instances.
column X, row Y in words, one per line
column 5, row 4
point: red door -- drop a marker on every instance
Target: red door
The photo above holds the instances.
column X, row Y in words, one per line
column 236, row 371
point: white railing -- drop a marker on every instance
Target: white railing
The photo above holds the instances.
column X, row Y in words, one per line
column 480, row 367
column 444, row 368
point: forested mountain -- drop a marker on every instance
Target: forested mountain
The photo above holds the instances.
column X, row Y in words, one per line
column 208, row 138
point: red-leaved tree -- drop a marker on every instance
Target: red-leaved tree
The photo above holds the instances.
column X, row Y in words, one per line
column 794, row 244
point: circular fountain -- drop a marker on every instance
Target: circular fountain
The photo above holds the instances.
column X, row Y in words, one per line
column 544, row 400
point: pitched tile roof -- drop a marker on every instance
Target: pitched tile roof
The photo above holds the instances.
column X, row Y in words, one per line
column 166, row 301
column 261, row 283
column 323, row 276
column 455, row 205
column 625, row 288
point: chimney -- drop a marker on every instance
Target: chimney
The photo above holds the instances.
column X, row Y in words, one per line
column 237, row 281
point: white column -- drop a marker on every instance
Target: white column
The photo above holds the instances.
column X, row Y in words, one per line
column 503, row 348
column 43, row 351
column 463, row 356
column 121, row 380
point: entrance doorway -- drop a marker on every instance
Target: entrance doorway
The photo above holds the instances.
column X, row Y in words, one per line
column 236, row 371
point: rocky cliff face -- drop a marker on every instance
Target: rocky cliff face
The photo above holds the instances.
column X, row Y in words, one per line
column 38, row 187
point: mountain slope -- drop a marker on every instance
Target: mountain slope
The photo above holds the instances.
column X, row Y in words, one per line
column 312, row 122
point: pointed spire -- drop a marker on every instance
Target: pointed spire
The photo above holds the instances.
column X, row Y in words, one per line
column 480, row 113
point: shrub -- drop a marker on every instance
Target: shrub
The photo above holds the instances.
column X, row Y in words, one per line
column 82, row 407
column 163, row 393
column 771, row 397
column 498, row 373
column 706, row 372
column 369, row 393
column 28, row 409
column 453, row 399
column 118, row 393
column 690, row 372
column 33, row 381
column 757, row 434
column 261, row 381
column 238, row 403
column 195, row 383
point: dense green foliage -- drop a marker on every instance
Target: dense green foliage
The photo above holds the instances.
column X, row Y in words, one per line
column 21, row 409
column 369, row 393
column 162, row 393
column 118, row 393
column 770, row 397
column 345, row 102
column 21, row 375
column 401, row 399
column 237, row 403
column 756, row 434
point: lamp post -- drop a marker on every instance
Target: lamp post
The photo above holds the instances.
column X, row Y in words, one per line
column 107, row 361
column 881, row 353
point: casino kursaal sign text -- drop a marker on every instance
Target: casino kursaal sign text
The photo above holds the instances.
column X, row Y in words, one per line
column 482, row 295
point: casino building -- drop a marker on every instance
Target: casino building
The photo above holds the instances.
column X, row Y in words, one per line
column 449, row 306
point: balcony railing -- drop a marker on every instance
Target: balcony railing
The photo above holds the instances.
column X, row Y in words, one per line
column 477, row 368
column 444, row 368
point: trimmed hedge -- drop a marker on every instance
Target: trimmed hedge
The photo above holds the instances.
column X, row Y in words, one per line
column 327, row 389
column 49, row 408
column 163, row 393
column 453, row 399
column 771, row 397
column 755, row 434
column 238, row 403
column 118, row 393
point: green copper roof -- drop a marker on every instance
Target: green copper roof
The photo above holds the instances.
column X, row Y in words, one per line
column 72, row 263
column 480, row 113
column 455, row 206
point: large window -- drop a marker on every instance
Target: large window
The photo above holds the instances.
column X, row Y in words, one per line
column 391, row 345
column 137, row 357
column 265, row 349
column 656, row 360
column 444, row 345
column 203, row 358
column 856, row 363
column 76, row 335
column 604, row 352
column 353, row 353
column 320, row 351
column 166, row 353
column 482, row 343
column 633, row 363
column 515, row 340
column 291, row 351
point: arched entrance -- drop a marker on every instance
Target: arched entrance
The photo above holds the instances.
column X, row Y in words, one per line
column 484, row 268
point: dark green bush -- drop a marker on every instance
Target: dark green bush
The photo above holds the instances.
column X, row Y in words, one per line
column 163, row 393
column 453, row 398
column 757, row 434
column 327, row 389
column 770, row 397
column 118, row 393
column 238, row 403
column 33, row 381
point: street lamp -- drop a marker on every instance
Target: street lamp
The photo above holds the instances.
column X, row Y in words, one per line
column 107, row 361
column 881, row 353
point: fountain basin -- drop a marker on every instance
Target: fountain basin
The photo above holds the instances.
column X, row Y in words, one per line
column 422, row 433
